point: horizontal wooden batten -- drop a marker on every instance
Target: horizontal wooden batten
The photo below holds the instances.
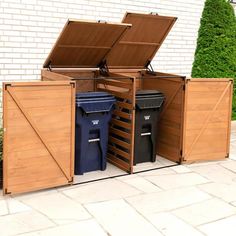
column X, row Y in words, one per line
column 119, row 142
column 83, row 46
column 121, row 123
column 124, row 95
column 118, row 151
column 122, row 114
column 124, row 105
column 118, row 84
column 117, row 161
column 139, row 43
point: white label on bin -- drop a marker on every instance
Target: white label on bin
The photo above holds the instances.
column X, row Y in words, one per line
column 95, row 122
column 146, row 117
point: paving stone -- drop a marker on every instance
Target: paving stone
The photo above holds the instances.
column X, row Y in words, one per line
column 101, row 191
column 215, row 173
column 3, row 208
column 142, row 184
column 230, row 165
column 118, row 218
column 181, row 169
column 170, row 225
column 23, row 222
column 167, row 200
column 58, row 207
column 177, row 180
column 35, row 194
column 205, row 212
column 221, row 227
column 158, row 172
column 16, row 206
column 82, row 228
column 227, row 192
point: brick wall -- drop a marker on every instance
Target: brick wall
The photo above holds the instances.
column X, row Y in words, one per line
column 29, row 28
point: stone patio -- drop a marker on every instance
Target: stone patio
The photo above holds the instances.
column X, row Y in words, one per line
column 188, row 200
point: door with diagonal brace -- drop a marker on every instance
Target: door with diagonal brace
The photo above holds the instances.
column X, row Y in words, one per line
column 38, row 135
column 207, row 119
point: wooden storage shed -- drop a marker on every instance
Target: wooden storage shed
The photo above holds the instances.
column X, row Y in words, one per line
column 195, row 121
column 39, row 117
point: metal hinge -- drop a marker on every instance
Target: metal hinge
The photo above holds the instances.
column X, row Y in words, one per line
column 154, row 13
column 103, row 68
column 149, row 68
column 6, row 85
column 6, row 192
column 49, row 65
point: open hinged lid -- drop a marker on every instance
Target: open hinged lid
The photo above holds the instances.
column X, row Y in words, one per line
column 84, row 44
column 138, row 46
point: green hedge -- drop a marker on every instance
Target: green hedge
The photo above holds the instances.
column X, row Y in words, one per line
column 215, row 55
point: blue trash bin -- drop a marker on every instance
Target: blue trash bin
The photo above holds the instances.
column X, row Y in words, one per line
column 93, row 113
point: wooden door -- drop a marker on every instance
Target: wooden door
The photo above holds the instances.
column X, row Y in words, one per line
column 169, row 133
column 38, row 135
column 208, row 105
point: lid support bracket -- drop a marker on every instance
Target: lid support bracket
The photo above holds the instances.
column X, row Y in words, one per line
column 103, row 68
column 149, row 68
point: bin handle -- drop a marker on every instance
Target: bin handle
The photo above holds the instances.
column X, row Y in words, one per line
column 146, row 134
column 94, row 140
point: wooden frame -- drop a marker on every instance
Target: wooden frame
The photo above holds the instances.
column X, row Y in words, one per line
column 121, row 131
column 33, row 157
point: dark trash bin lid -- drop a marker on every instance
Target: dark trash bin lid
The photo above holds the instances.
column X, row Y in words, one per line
column 92, row 102
column 147, row 99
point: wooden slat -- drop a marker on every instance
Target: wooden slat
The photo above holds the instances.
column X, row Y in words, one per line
column 119, row 84
column 82, row 46
column 122, row 114
column 116, row 93
column 121, row 123
column 120, row 133
column 119, row 142
column 139, row 43
column 124, row 105
column 118, row 162
column 118, row 151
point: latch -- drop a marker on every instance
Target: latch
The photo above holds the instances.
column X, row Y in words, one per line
column 103, row 68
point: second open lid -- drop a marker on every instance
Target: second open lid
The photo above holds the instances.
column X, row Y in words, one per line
column 138, row 46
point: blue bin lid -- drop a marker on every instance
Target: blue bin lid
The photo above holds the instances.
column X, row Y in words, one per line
column 95, row 102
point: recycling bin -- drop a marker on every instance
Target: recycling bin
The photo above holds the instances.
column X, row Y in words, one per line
column 93, row 113
column 148, row 106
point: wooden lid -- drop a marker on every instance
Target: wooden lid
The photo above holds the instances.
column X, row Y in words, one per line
column 138, row 46
column 84, row 44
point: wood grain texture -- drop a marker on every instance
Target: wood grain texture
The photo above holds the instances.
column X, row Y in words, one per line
column 169, row 132
column 121, row 131
column 84, row 44
column 140, row 43
column 207, row 119
column 38, row 135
